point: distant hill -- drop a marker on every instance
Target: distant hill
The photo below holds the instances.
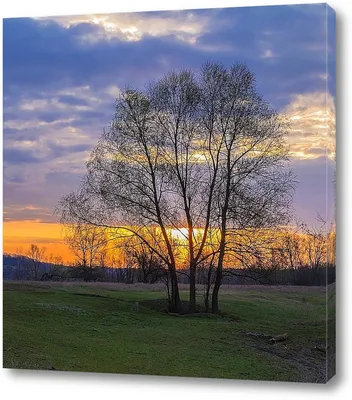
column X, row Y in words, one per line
column 19, row 267
column 10, row 263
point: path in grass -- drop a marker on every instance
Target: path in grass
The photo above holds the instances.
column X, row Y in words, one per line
column 90, row 327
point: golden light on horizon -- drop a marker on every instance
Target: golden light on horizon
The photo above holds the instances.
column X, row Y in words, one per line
column 20, row 235
column 179, row 234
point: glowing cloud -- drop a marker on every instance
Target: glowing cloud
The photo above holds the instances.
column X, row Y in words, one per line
column 185, row 26
column 312, row 119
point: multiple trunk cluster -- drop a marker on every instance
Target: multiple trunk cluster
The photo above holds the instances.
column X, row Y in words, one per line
column 184, row 165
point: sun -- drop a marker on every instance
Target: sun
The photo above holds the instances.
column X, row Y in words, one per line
column 180, row 234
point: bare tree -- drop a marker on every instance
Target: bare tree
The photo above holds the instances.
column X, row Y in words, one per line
column 55, row 269
column 316, row 243
column 126, row 184
column 23, row 268
column 36, row 256
column 149, row 266
column 192, row 157
column 331, row 246
column 88, row 243
column 253, row 188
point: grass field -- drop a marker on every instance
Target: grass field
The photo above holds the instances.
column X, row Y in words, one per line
column 91, row 327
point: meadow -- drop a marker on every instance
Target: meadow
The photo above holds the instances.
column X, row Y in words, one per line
column 95, row 327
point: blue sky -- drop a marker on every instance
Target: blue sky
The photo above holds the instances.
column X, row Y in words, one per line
column 62, row 75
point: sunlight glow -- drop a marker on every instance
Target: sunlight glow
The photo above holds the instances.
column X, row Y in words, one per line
column 312, row 131
column 180, row 234
column 186, row 27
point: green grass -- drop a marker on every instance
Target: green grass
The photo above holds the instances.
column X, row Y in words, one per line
column 92, row 328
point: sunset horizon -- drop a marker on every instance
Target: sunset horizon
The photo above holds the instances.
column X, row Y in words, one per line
column 169, row 183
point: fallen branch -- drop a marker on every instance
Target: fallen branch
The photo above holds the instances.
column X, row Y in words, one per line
column 319, row 348
column 279, row 338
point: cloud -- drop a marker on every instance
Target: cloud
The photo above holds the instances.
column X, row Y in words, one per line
column 27, row 212
column 268, row 54
column 61, row 103
column 312, row 131
column 54, row 124
column 113, row 91
column 27, row 202
column 49, row 137
column 132, row 27
column 284, row 46
column 54, row 55
column 41, row 184
column 19, row 156
column 53, row 59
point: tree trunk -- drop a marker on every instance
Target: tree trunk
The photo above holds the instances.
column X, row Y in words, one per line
column 215, row 295
column 175, row 294
column 192, row 289
column 218, row 278
column 208, row 283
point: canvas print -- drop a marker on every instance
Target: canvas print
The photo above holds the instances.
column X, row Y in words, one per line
column 169, row 193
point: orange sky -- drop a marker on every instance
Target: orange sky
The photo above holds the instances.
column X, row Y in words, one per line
column 19, row 235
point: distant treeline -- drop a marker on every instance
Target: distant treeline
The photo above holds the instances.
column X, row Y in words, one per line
column 22, row 268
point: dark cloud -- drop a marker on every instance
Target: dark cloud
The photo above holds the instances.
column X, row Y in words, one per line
column 10, row 131
column 54, row 56
column 53, row 151
column 19, row 156
column 49, row 116
column 294, row 37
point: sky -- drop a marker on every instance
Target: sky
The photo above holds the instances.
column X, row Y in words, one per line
column 62, row 74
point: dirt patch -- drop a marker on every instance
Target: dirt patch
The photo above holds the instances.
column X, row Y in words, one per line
column 309, row 363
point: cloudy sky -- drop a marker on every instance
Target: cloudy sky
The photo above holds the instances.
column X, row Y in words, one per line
column 62, row 75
